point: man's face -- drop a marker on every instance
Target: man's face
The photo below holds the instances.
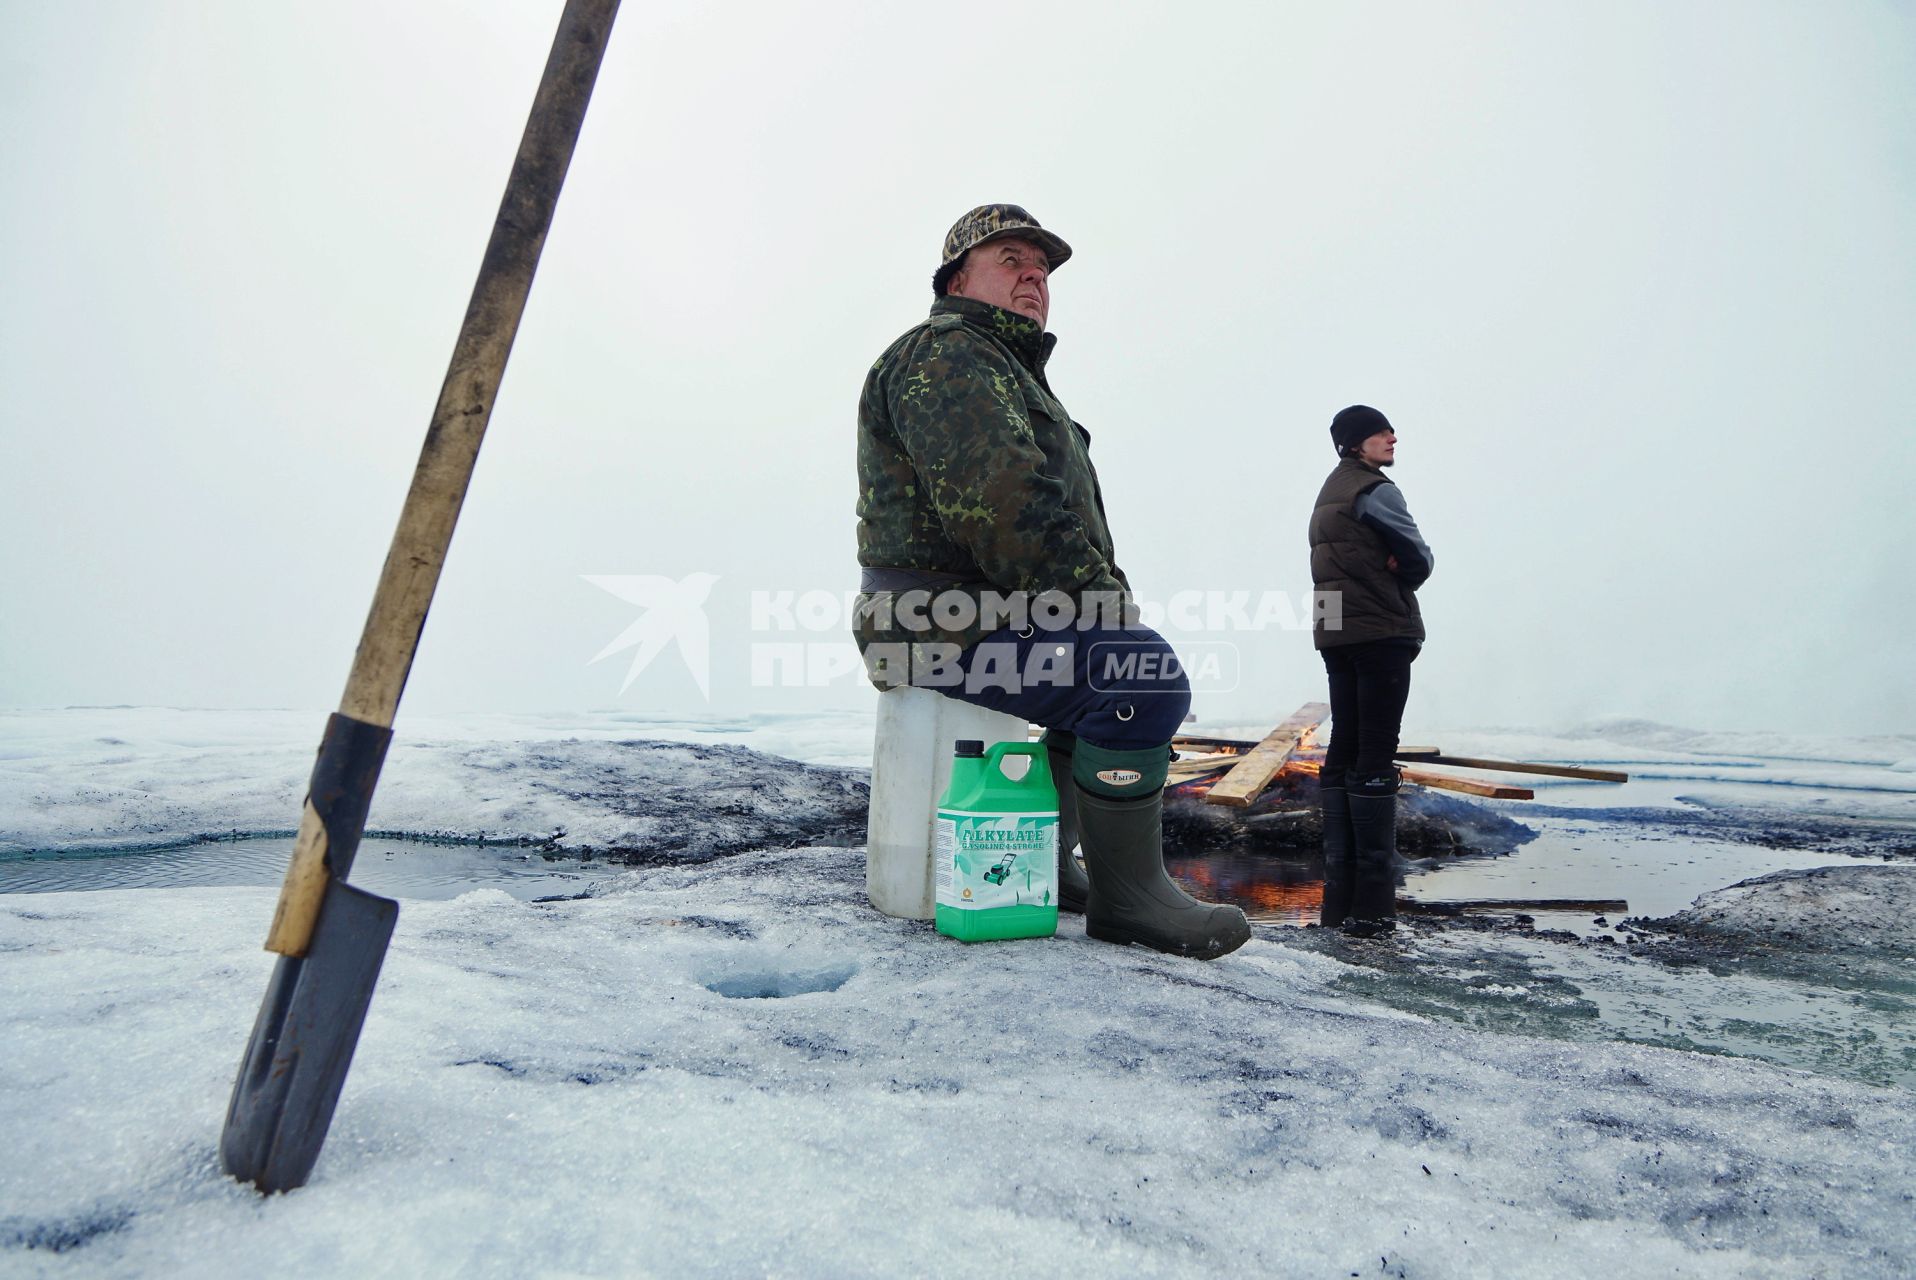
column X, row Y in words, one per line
column 1379, row 450
column 1010, row 273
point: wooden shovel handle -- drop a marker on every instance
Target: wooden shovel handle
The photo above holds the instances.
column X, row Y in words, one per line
column 439, row 482
column 390, row 638
column 299, row 897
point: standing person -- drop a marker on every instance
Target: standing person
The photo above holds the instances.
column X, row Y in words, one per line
column 989, row 574
column 1367, row 561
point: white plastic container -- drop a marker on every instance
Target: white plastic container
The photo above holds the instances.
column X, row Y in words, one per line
column 911, row 767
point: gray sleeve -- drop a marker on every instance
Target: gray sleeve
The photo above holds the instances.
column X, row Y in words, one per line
column 1383, row 509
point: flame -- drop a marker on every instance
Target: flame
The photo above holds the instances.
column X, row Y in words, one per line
column 1195, row 788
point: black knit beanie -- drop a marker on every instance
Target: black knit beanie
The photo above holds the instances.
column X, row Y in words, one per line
column 1352, row 426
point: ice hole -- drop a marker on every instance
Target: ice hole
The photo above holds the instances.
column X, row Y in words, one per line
column 775, row 984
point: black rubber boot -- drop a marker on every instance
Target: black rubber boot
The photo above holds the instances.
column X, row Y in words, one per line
column 1132, row 899
column 1333, row 805
column 1073, row 887
column 1374, row 853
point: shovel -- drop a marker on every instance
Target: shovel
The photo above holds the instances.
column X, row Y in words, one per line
column 330, row 936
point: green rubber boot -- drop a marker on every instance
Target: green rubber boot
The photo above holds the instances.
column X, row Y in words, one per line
column 1073, row 887
column 1132, row 899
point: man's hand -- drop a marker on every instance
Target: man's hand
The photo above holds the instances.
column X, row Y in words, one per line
column 1390, row 563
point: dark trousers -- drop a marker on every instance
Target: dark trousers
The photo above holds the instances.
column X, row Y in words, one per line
column 1120, row 688
column 1370, row 683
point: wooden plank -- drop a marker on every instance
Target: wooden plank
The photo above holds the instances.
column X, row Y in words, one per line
column 1595, row 906
column 1468, row 786
column 1194, row 760
column 1196, row 743
column 1254, row 771
column 1185, row 770
column 1422, row 755
column 1440, row 781
column 1519, row 766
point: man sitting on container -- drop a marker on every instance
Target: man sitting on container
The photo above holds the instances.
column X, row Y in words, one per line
column 989, row 574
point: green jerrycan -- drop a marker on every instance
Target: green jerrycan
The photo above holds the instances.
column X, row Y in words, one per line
column 995, row 846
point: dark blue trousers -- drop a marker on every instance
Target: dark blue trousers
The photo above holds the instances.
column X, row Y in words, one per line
column 1120, row 688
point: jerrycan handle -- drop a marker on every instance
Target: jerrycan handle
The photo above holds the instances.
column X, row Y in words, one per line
column 1040, row 758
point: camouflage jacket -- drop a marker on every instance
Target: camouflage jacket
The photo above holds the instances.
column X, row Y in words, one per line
column 969, row 467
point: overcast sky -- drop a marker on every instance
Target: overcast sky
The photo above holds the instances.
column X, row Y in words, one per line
column 1635, row 281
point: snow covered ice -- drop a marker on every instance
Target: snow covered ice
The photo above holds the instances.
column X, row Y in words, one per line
column 565, row 1087
column 733, row 1066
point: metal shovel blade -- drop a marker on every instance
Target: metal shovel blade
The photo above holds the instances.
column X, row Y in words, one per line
column 303, row 1042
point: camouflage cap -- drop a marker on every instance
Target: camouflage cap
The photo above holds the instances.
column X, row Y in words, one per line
column 990, row 222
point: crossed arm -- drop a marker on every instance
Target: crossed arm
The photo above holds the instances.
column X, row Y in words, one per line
column 1383, row 509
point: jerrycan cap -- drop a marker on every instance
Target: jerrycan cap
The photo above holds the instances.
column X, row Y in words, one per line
column 969, row 748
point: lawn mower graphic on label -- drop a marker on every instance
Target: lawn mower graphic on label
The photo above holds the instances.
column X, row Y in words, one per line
column 1001, row 869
